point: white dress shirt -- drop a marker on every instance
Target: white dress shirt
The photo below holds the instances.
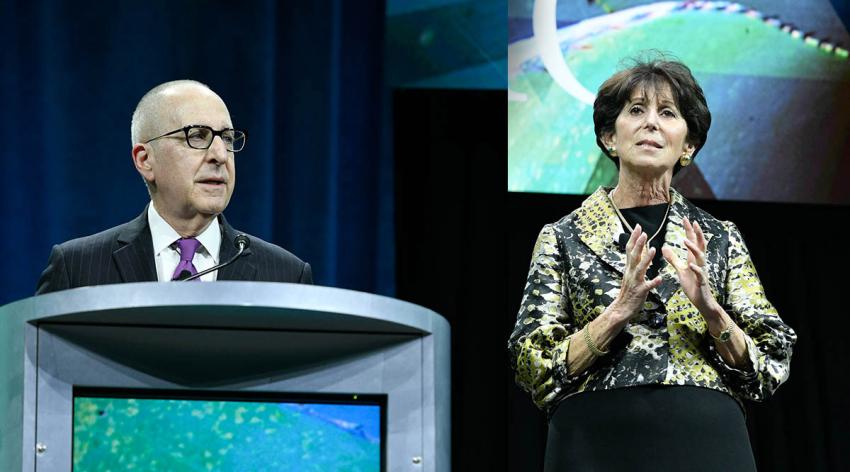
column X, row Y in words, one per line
column 166, row 253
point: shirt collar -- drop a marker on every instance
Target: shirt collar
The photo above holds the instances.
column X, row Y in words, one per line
column 163, row 235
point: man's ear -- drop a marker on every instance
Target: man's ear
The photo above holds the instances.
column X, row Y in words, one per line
column 142, row 159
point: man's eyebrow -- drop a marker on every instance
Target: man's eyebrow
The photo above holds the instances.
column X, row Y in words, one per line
column 199, row 123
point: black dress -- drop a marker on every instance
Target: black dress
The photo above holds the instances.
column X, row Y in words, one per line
column 650, row 427
column 649, row 218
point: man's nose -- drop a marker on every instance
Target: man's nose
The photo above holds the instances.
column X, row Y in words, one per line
column 217, row 151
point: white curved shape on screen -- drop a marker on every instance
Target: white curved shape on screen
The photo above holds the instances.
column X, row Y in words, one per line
column 547, row 39
column 545, row 27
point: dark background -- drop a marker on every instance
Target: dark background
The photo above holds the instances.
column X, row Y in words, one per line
column 451, row 180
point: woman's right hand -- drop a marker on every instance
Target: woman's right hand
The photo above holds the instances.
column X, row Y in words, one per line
column 635, row 287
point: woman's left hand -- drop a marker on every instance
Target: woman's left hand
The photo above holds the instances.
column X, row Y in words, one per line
column 693, row 276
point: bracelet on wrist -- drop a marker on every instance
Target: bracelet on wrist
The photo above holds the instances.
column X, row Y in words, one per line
column 724, row 336
column 590, row 344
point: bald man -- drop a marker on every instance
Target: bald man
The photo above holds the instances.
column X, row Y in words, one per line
column 183, row 147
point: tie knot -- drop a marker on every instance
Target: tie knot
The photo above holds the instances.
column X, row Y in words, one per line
column 188, row 246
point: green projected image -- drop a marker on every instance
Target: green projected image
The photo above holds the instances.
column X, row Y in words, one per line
column 112, row 434
column 762, row 77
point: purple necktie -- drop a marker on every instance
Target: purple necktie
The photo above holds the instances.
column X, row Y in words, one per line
column 187, row 246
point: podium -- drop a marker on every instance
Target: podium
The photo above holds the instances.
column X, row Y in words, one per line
column 243, row 338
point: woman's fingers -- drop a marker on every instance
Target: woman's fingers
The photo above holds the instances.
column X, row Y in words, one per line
column 671, row 257
column 654, row 282
column 698, row 271
column 632, row 239
column 651, row 284
column 689, row 229
column 694, row 233
column 633, row 256
column 647, row 261
column 696, row 252
column 639, row 258
column 637, row 237
column 700, row 237
column 640, row 248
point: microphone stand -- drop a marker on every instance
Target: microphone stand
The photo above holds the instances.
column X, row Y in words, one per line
column 241, row 241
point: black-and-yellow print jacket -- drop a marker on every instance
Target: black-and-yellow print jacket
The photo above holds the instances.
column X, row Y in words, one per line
column 575, row 273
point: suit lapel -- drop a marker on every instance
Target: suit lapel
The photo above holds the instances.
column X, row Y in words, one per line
column 598, row 226
column 134, row 257
column 242, row 268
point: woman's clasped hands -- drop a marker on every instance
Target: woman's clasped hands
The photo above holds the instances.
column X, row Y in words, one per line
column 692, row 273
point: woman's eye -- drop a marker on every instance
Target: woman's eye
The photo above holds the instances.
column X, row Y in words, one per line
column 635, row 110
column 668, row 113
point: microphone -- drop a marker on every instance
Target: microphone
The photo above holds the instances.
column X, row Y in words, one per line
column 241, row 241
column 622, row 240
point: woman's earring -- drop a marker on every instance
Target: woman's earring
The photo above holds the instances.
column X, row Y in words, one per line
column 612, row 151
column 685, row 160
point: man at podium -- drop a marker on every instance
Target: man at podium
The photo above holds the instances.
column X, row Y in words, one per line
column 184, row 145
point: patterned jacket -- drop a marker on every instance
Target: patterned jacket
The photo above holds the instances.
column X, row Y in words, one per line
column 575, row 273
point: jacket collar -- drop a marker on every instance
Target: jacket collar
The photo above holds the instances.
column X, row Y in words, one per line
column 134, row 256
column 242, row 268
column 599, row 228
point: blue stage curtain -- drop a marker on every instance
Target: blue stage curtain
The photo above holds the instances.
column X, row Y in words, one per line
column 304, row 78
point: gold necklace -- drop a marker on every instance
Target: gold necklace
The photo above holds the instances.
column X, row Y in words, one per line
column 623, row 218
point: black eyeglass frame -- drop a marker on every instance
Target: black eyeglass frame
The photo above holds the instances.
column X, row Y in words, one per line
column 215, row 133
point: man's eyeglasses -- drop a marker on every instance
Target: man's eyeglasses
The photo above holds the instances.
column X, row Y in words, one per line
column 201, row 137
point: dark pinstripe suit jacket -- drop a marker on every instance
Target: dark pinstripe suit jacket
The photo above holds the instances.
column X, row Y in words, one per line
column 125, row 254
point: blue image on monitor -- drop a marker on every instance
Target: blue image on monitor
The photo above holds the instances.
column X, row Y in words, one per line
column 137, row 432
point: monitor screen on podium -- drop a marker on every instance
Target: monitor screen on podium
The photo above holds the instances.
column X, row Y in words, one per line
column 134, row 429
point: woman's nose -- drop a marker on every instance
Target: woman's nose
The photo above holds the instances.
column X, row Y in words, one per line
column 651, row 120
